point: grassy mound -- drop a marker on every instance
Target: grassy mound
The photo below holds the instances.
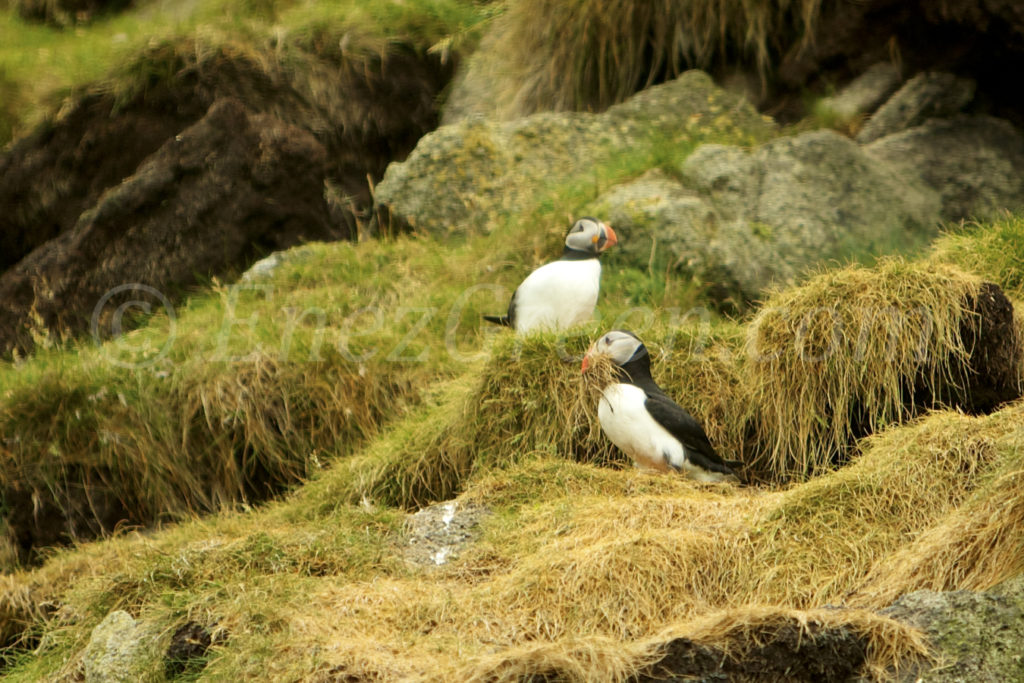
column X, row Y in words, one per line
column 852, row 350
column 530, row 398
column 845, row 354
column 580, row 569
column 592, row 54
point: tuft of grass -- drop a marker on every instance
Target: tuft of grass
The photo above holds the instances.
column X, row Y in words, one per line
column 845, row 353
column 994, row 251
column 530, row 399
column 591, row 54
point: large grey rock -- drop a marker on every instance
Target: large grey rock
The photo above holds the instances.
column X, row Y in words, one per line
column 865, row 93
column 122, row 650
column 978, row 636
column 976, row 163
column 744, row 218
column 467, row 176
column 926, row 95
column 662, row 223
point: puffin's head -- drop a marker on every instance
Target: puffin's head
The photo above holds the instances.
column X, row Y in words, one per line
column 591, row 235
column 619, row 345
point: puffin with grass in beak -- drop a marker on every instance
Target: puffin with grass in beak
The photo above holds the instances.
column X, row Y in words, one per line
column 639, row 418
column 562, row 293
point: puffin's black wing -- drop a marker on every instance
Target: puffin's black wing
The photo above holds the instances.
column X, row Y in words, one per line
column 682, row 426
column 509, row 319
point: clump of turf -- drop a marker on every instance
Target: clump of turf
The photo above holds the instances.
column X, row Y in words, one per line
column 528, row 398
column 852, row 350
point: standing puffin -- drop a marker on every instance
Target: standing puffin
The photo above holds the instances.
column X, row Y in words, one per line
column 639, row 418
column 562, row 293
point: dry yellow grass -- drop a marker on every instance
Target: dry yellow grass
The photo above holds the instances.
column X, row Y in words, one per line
column 591, row 54
column 580, row 570
column 841, row 356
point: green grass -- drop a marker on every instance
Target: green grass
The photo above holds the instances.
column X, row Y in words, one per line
column 43, row 63
column 249, row 388
column 994, row 251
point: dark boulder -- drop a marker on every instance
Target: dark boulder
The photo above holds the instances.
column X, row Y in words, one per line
column 225, row 189
column 782, row 652
column 359, row 112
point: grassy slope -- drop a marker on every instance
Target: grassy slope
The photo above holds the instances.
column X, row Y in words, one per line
column 331, row 312
column 319, row 577
column 250, row 387
column 40, row 64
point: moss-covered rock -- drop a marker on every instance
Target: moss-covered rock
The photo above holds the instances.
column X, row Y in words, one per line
column 469, row 176
column 975, row 163
column 122, row 650
column 977, row 636
column 742, row 219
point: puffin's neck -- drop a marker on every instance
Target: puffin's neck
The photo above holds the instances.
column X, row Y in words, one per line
column 570, row 254
column 637, row 371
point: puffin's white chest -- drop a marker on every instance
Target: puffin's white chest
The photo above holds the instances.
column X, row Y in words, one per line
column 629, row 426
column 558, row 295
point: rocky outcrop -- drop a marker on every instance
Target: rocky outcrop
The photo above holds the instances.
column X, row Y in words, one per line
column 975, row 163
column 925, row 96
column 742, row 219
column 977, row 636
column 467, row 176
column 233, row 184
column 734, row 219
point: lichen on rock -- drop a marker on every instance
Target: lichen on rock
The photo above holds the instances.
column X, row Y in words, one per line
column 466, row 177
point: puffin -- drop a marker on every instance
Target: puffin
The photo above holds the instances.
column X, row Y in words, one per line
column 641, row 419
column 562, row 293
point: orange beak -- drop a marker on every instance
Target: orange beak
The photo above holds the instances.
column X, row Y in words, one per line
column 586, row 360
column 610, row 239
